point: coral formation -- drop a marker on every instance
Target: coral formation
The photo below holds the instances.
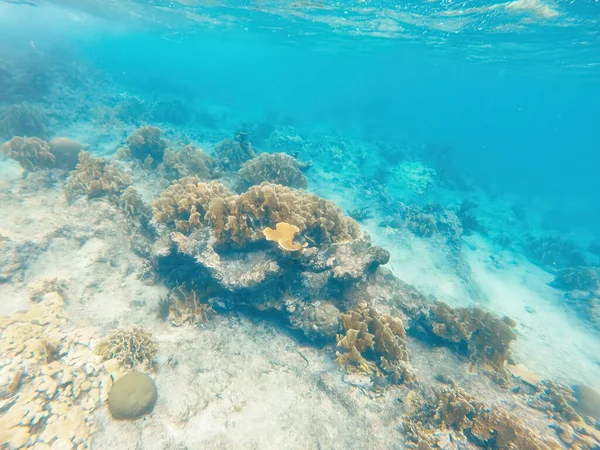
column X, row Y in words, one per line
column 132, row 110
column 66, row 152
column 360, row 214
column 478, row 333
column 147, row 144
column 375, row 337
column 95, row 177
column 190, row 161
column 318, row 320
column 413, row 176
column 32, row 153
column 452, row 410
column 50, row 381
column 22, row 120
column 553, row 252
column 421, row 224
column 232, row 153
column 577, row 278
column 237, row 220
column 276, row 168
column 132, row 396
column 284, row 234
column 131, row 347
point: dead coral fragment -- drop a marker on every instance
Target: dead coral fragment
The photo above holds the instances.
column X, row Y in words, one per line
column 375, row 337
column 190, row 161
column 284, row 235
column 32, row 153
column 452, row 410
column 131, row 347
column 95, row 177
column 185, row 203
column 277, row 168
column 486, row 338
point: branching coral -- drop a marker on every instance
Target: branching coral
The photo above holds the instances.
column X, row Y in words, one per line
column 190, row 161
column 233, row 153
column 147, row 144
column 485, row 338
column 22, row 120
column 452, row 410
column 371, row 336
column 130, row 347
column 95, row 177
column 277, row 168
column 237, row 220
column 32, row 153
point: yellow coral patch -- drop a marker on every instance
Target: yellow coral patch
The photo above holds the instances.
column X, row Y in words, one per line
column 284, row 234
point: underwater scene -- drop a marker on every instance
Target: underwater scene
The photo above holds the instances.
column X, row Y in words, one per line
column 275, row 224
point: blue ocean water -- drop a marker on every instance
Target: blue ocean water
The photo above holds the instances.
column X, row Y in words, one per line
column 480, row 115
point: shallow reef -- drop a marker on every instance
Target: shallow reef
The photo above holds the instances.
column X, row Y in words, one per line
column 171, row 111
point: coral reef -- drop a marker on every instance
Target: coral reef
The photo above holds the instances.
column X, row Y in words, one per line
column 577, row 278
column 422, row 225
column 147, row 144
column 131, row 347
column 132, row 396
column 450, row 410
column 413, row 176
column 22, row 120
column 190, row 161
column 553, row 252
column 475, row 332
column 66, row 152
column 171, row 111
column 238, row 220
column 50, row 380
column 96, row 177
column 360, row 214
column 276, row 168
column 319, row 320
column 32, row 153
column 371, row 336
column 233, row 154
column 469, row 221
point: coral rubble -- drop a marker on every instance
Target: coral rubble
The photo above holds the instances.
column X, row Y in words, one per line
column 50, row 380
column 276, row 168
column 31, row 152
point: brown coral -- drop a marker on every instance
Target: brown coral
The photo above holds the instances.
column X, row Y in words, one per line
column 452, row 410
column 147, row 144
column 277, row 168
column 485, row 337
column 32, row 153
column 95, row 177
column 130, row 347
column 185, row 203
column 377, row 337
column 190, row 161
column 233, row 153
column 237, row 220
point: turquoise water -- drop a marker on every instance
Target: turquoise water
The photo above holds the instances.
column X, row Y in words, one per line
column 468, row 132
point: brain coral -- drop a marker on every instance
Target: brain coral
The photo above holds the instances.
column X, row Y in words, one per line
column 237, row 220
column 277, row 168
column 32, row 153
